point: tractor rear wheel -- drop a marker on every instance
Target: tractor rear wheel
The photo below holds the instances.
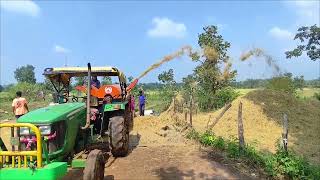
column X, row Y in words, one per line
column 119, row 136
column 95, row 163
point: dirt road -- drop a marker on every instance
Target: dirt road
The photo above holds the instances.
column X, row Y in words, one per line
column 164, row 154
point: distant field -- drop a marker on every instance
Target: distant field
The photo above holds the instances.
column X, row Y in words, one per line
column 6, row 109
column 244, row 91
column 308, row 92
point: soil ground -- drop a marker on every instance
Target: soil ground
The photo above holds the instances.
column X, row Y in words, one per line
column 164, row 154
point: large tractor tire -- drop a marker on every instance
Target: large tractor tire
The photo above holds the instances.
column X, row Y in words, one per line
column 95, row 163
column 119, row 136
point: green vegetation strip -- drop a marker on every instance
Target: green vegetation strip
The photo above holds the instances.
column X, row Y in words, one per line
column 278, row 165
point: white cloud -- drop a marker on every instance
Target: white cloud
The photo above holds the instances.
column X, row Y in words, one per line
column 164, row 27
column 281, row 33
column 60, row 49
column 307, row 12
column 26, row 7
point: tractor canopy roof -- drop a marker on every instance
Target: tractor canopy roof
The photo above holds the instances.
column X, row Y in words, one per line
column 64, row 74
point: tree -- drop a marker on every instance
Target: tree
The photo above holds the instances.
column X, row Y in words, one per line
column 167, row 77
column 310, row 35
column 169, row 88
column 130, row 79
column 209, row 75
column 106, row 80
column 25, row 74
column 298, row 82
column 80, row 80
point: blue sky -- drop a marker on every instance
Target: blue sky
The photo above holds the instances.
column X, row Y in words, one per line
column 133, row 35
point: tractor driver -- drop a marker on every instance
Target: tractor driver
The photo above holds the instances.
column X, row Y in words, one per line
column 95, row 82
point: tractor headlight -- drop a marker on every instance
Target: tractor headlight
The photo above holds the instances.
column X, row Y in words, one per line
column 45, row 130
column 24, row 131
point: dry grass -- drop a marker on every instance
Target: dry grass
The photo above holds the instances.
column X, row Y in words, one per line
column 262, row 117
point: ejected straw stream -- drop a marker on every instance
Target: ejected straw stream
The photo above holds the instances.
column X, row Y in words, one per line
column 257, row 52
column 184, row 50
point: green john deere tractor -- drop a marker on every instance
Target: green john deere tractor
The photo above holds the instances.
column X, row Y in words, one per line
column 79, row 130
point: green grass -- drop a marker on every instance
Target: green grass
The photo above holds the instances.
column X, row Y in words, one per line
column 281, row 165
column 6, row 103
column 307, row 92
column 244, row 91
column 155, row 101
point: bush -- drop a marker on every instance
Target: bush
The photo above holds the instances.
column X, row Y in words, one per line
column 218, row 100
column 30, row 91
column 281, row 164
column 282, row 83
column 317, row 96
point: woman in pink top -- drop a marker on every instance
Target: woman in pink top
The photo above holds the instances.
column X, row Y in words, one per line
column 19, row 105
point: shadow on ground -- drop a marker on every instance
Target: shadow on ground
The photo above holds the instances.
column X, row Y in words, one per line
column 175, row 173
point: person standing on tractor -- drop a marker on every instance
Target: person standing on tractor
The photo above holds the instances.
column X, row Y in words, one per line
column 19, row 105
column 142, row 101
column 95, row 82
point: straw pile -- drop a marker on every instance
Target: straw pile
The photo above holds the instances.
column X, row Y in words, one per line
column 262, row 117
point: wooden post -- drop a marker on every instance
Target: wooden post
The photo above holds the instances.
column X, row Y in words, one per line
column 226, row 107
column 186, row 116
column 190, row 111
column 285, row 132
column 240, row 128
column 174, row 105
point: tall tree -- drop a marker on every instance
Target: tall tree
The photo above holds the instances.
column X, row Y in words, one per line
column 25, row 74
column 209, row 74
column 310, row 36
column 166, row 77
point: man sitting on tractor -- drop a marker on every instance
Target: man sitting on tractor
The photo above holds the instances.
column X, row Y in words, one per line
column 95, row 82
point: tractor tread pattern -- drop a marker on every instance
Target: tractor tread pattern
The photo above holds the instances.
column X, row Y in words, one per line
column 95, row 165
column 119, row 138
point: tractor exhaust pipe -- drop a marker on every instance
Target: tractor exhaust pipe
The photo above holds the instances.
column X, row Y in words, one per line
column 88, row 98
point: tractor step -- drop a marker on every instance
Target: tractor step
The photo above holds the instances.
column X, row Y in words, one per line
column 51, row 171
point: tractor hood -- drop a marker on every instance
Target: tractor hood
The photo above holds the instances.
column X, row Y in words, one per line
column 51, row 114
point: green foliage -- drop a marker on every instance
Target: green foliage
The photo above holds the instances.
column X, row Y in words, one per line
column 289, row 165
column 169, row 89
column 25, row 74
column 30, row 91
column 193, row 134
column 130, row 79
column 281, row 164
column 80, row 80
column 298, row 82
column 250, row 83
column 310, row 35
column 167, row 77
column 282, row 83
column 217, row 100
column 209, row 78
column 317, row 96
column 106, row 80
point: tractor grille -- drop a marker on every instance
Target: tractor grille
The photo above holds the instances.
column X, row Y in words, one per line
column 20, row 159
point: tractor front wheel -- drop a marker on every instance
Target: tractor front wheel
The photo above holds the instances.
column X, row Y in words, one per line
column 95, row 163
column 119, row 136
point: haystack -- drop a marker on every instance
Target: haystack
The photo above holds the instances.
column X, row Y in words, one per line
column 262, row 117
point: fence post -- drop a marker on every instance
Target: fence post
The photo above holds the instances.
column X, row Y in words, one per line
column 174, row 105
column 240, row 128
column 285, row 132
column 191, row 111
